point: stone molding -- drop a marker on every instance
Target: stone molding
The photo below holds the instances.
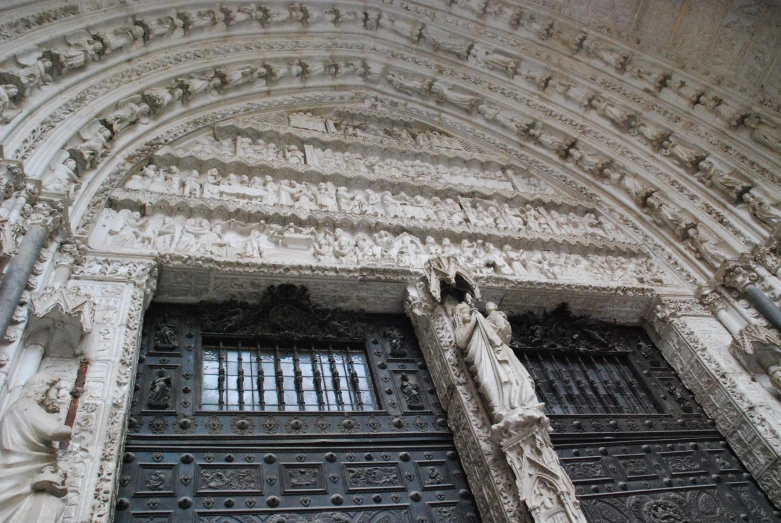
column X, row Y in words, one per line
column 697, row 346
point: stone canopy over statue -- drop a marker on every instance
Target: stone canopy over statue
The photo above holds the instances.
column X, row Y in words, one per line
column 506, row 386
column 30, row 481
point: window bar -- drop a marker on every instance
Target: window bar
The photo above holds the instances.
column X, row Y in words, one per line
column 335, row 377
column 240, row 377
column 584, row 384
column 280, row 378
column 299, row 379
column 221, row 375
column 558, row 390
column 317, row 377
column 607, row 383
column 578, row 384
column 569, row 387
column 621, row 386
column 261, row 377
column 538, row 382
column 354, row 381
column 633, row 387
column 593, row 381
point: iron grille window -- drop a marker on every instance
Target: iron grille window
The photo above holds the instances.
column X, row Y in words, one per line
column 588, row 383
column 278, row 377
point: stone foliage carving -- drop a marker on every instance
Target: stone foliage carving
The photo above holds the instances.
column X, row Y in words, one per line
column 31, row 479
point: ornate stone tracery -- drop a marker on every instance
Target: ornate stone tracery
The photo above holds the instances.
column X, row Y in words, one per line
column 552, row 159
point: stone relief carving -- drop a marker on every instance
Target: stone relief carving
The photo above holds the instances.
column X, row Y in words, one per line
column 32, row 481
column 325, row 196
column 128, row 231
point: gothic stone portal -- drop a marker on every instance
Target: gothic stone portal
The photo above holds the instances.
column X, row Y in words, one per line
column 284, row 412
column 631, row 437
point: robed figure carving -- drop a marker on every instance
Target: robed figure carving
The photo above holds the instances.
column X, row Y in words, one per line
column 31, row 483
column 505, row 384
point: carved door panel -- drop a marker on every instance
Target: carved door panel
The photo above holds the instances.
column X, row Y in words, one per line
column 632, row 438
column 285, row 412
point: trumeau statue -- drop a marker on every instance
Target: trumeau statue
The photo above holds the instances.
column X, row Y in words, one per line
column 30, row 481
column 506, row 386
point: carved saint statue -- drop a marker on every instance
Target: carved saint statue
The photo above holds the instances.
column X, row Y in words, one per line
column 411, row 393
column 160, row 390
column 30, row 481
column 505, row 384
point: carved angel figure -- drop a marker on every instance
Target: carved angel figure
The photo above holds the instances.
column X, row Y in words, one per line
column 30, row 480
column 62, row 176
column 705, row 245
column 7, row 107
column 409, row 86
column 620, row 117
column 764, row 133
column 504, row 383
column 494, row 60
column 83, row 49
column 761, row 210
column 119, row 38
column 95, row 146
column 686, row 156
column 129, row 112
column 558, row 145
column 34, row 73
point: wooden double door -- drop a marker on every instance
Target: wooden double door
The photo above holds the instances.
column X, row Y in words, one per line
column 284, row 412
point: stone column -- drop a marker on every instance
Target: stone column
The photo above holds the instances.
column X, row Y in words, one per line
column 488, row 424
column 739, row 278
column 490, row 476
column 46, row 217
column 719, row 306
column 18, row 272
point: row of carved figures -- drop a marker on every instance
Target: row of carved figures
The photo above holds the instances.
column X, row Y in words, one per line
column 328, row 159
column 128, row 230
column 327, row 197
column 84, row 47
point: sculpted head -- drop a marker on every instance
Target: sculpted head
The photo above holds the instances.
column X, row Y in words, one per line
column 42, row 388
column 463, row 312
column 491, row 307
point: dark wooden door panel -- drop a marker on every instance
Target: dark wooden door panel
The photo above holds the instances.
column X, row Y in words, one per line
column 285, row 412
column 632, row 438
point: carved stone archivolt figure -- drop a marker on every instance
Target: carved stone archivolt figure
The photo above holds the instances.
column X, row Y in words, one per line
column 30, row 480
column 505, row 384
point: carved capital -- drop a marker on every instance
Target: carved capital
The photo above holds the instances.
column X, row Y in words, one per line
column 50, row 214
column 141, row 272
column 767, row 255
column 711, row 299
column 736, row 277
